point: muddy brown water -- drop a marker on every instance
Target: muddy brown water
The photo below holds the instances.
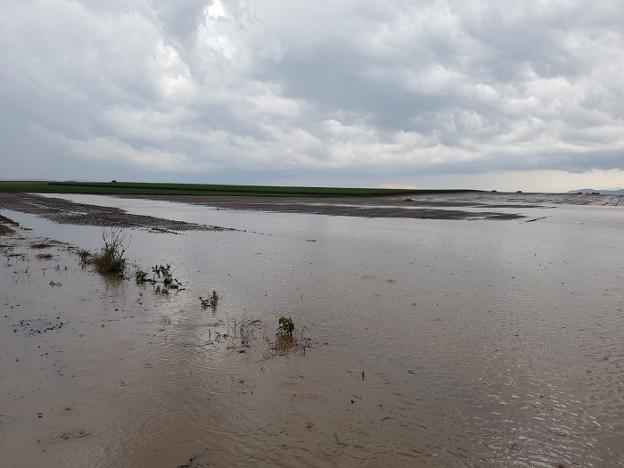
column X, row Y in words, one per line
column 433, row 342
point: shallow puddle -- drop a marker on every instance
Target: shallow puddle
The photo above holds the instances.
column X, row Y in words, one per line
column 432, row 342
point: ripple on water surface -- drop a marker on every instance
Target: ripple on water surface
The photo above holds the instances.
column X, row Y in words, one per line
column 433, row 343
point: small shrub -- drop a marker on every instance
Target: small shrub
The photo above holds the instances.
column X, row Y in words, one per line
column 112, row 258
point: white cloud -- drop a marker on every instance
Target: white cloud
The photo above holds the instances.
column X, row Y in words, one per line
column 109, row 149
column 420, row 87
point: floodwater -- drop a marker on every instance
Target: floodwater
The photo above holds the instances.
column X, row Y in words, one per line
column 432, row 343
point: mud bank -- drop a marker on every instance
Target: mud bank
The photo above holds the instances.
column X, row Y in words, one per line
column 468, row 205
column 377, row 207
column 66, row 212
column 6, row 226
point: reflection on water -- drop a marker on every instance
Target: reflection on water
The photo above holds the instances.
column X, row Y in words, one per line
column 434, row 343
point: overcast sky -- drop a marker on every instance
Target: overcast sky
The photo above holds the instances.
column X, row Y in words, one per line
column 480, row 94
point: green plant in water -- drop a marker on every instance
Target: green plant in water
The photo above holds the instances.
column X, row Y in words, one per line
column 163, row 272
column 140, row 276
column 212, row 301
column 162, row 279
column 285, row 327
column 286, row 341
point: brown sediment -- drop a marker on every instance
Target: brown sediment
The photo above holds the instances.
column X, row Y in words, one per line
column 40, row 245
column 44, row 256
column 67, row 212
column 5, row 230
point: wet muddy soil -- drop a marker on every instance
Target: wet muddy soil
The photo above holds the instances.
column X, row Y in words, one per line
column 466, row 205
column 380, row 207
column 6, row 226
column 67, row 212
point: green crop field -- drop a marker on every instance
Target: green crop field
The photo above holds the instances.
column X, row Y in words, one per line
column 140, row 188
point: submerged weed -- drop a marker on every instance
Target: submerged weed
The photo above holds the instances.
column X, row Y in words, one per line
column 284, row 344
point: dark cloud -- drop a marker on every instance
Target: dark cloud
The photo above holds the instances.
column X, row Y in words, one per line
column 326, row 90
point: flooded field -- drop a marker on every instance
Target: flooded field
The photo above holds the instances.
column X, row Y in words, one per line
column 430, row 342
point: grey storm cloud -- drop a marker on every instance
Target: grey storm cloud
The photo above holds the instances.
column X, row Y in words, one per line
column 236, row 87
